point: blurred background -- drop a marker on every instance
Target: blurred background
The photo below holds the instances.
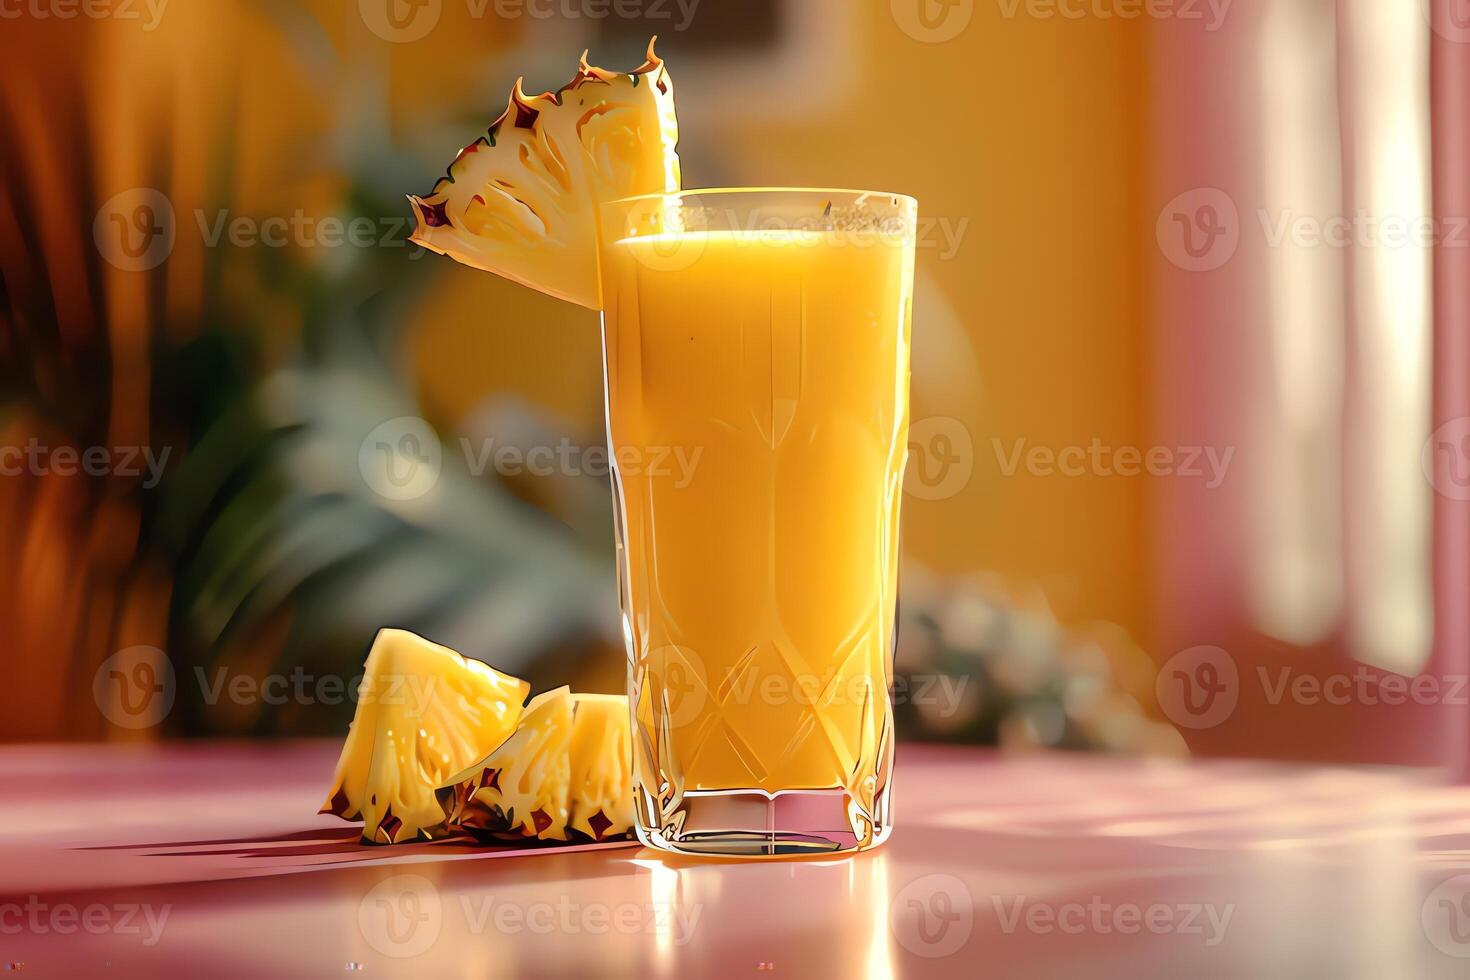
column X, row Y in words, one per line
column 1190, row 452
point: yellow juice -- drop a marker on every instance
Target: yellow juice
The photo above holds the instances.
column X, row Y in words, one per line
column 757, row 393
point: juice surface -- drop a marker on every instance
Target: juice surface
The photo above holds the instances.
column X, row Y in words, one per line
column 760, row 574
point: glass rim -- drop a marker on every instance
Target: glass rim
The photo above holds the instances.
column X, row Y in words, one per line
column 901, row 199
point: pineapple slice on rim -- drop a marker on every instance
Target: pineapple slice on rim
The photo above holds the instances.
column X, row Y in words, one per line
column 601, row 792
column 522, row 200
column 520, row 789
column 423, row 712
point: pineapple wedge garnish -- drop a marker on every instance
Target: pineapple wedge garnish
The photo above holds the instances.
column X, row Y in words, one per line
column 521, row 201
column 520, row 789
column 423, row 713
column 601, row 791
column 566, row 773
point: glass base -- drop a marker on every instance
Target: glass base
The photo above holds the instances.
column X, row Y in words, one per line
column 755, row 824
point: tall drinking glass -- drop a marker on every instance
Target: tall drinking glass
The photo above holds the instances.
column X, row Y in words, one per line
column 757, row 370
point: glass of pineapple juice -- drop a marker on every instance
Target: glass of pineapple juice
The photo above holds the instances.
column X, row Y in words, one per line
column 756, row 346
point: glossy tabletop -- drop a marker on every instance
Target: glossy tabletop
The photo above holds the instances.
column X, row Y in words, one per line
column 210, row 860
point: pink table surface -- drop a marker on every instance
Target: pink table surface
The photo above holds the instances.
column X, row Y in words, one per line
column 209, row 860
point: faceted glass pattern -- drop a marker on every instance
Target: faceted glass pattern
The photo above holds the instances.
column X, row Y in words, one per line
column 757, row 357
